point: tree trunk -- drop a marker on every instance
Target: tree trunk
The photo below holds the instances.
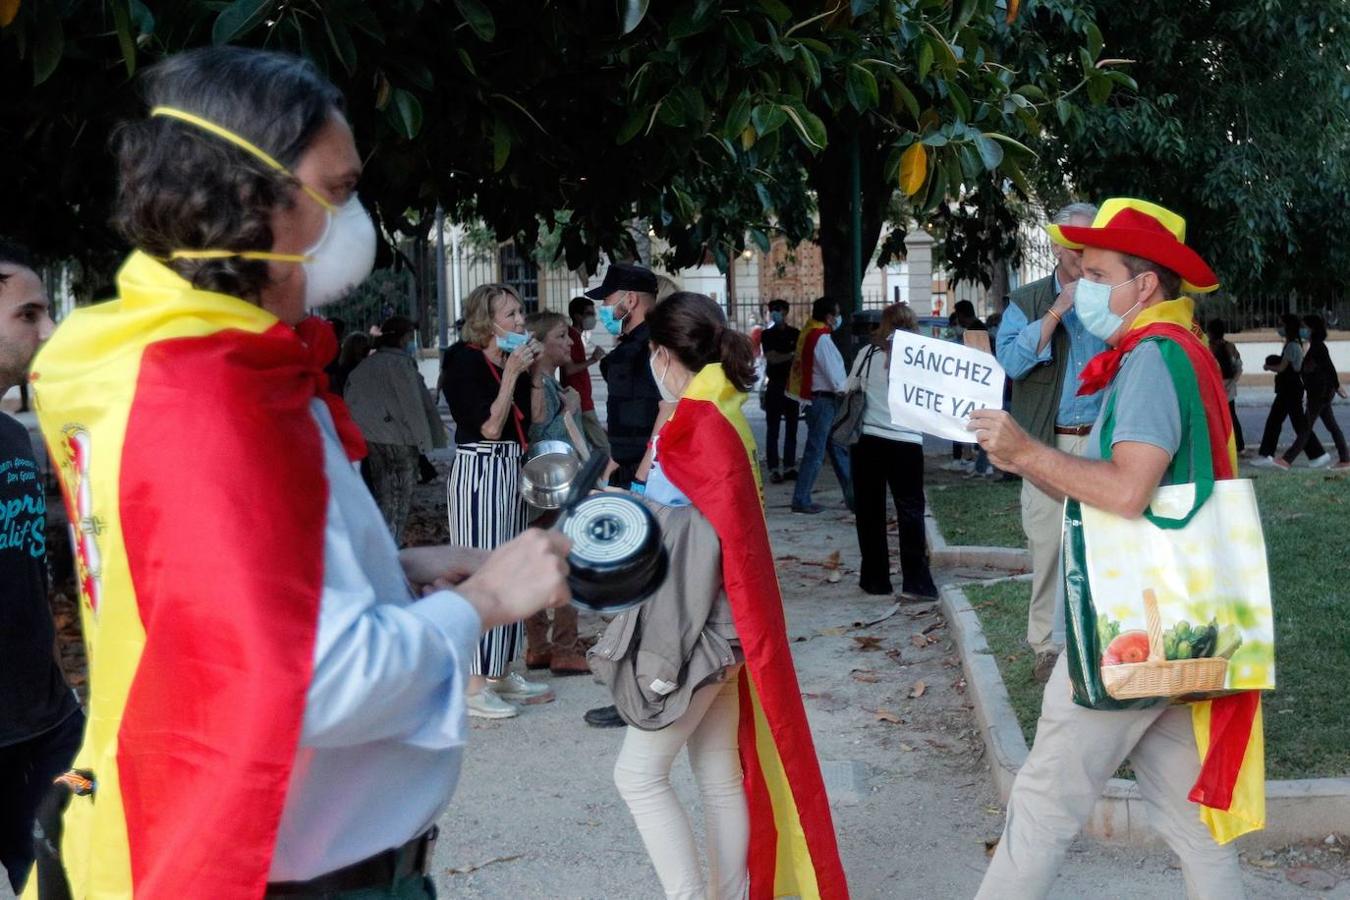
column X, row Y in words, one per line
column 828, row 175
column 998, row 284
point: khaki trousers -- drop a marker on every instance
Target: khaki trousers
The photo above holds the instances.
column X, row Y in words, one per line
column 1076, row 751
column 595, row 433
column 1043, row 522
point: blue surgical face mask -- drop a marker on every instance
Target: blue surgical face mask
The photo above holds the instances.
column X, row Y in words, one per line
column 411, row 347
column 1092, row 303
column 510, row 341
column 607, row 318
column 1304, row 334
column 776, row 317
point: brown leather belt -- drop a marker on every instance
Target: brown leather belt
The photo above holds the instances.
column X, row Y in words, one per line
column 381, row 870
column 1075, row 430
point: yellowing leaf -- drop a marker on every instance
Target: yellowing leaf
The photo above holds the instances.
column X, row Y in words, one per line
column 747, row 137
column 913, row 169
column 1012, row 10
column 8, row 10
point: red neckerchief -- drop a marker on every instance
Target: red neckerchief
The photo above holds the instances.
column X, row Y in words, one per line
column 321, row 342
column 517, row 416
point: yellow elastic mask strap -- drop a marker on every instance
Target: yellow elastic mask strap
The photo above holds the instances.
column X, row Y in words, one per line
column 242, row 254
column 243, row 144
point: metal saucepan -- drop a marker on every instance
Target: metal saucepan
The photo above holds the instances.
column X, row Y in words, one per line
column 547, row 474
column 617, row 559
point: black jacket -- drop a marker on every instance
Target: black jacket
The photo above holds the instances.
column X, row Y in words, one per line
column 633, row 401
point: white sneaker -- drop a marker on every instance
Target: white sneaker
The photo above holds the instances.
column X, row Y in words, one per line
column 1321, row 462
column 956, row 465
column 487, row 705
column 515, row 688
column 1264, row 462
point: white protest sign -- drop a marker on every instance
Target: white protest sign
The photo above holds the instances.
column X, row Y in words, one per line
column 936, row 385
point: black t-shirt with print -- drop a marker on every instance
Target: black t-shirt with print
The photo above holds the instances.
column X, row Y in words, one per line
column 33, row 694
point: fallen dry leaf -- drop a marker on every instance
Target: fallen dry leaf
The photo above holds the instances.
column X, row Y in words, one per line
column 933, row 626
column 990, row 845
column 865, row 676
column 907, row 748
column 885, row 715
column 919, row 688
column 834, row 631
column 920, row 640
column 894, row 654
column 867, row 642
column 833, row 560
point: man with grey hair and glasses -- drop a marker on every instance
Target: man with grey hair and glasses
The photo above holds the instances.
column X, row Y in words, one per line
column 1043, row 347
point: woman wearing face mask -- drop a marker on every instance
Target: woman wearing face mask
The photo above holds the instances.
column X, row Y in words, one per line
column 1289, row 401
column 485, row 380
column 398, row 418
column 1323, row 385
column 553, row 413
column 263, row 673
column 704, row 457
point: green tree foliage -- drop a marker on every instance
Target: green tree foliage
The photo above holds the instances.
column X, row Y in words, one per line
column 1240, row 124
column 712, row 121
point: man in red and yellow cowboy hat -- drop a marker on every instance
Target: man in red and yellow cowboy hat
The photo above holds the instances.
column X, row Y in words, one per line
column 1137, row 270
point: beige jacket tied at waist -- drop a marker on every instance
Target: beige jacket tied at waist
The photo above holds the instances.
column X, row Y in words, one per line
column 655, row 656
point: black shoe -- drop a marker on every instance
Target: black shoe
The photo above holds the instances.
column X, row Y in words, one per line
column 877, row 590
column 809, row 509
column 928, row 596
column 790, row 475
column 776, row 477
column 604, row 717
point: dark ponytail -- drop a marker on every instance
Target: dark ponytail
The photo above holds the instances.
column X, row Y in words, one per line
column 693, row 327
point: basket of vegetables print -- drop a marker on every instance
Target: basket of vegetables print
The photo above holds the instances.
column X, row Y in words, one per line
column 1184, row 659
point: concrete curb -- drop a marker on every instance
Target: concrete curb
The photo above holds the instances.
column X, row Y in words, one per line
column 1298, row 809
column 1016, row 560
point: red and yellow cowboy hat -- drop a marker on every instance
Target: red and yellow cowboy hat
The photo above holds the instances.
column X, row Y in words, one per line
column 1141, row 229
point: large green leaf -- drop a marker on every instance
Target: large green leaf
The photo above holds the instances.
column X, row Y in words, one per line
column 237, row 19
column 48, row 41
column 340, row 39
column 991, row 154
column 633, row 12
column 501, row 144
column 121, row 10
column 479, row 18
column 738, row 116
column 767, row 118
column 861, row 88
column 808, row 125
column 406, row 112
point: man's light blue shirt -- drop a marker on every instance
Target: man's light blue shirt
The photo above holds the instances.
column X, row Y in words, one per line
column 1016, row 350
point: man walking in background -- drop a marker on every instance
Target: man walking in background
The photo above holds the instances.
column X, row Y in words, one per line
column 818, row 379
column 40, row 720
column 1043, row 347
column 779, row 343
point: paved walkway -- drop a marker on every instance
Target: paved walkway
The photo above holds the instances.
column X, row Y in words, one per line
column 913, row 802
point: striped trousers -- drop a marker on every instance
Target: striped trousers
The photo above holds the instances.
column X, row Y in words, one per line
column 483, row 492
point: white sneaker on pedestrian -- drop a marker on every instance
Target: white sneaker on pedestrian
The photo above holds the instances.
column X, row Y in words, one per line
column 1264, row 462
column 487, row 705
column 515, row 688
column 1321, row 462
column 956, row 465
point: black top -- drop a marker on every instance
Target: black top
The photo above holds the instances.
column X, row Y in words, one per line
column 33, row 694
column 1319, row 372
column 779, row 339
column 633, row 401
column 470, row 383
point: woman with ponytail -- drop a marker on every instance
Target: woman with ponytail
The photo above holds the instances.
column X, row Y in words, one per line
column 768, row 820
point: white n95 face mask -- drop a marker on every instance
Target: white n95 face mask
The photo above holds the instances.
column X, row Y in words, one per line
column 343, row 257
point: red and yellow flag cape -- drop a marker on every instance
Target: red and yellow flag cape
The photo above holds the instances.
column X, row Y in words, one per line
column 707, row 451
column 1231, row 789
column 192, row 470
column 804, row 362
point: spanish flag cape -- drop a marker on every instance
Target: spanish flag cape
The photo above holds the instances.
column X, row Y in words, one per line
column 192, row 470
column 1228, row 730
column 799, row 377
column 708, row 452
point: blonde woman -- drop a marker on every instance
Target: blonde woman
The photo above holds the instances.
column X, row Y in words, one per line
column 485, row 380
